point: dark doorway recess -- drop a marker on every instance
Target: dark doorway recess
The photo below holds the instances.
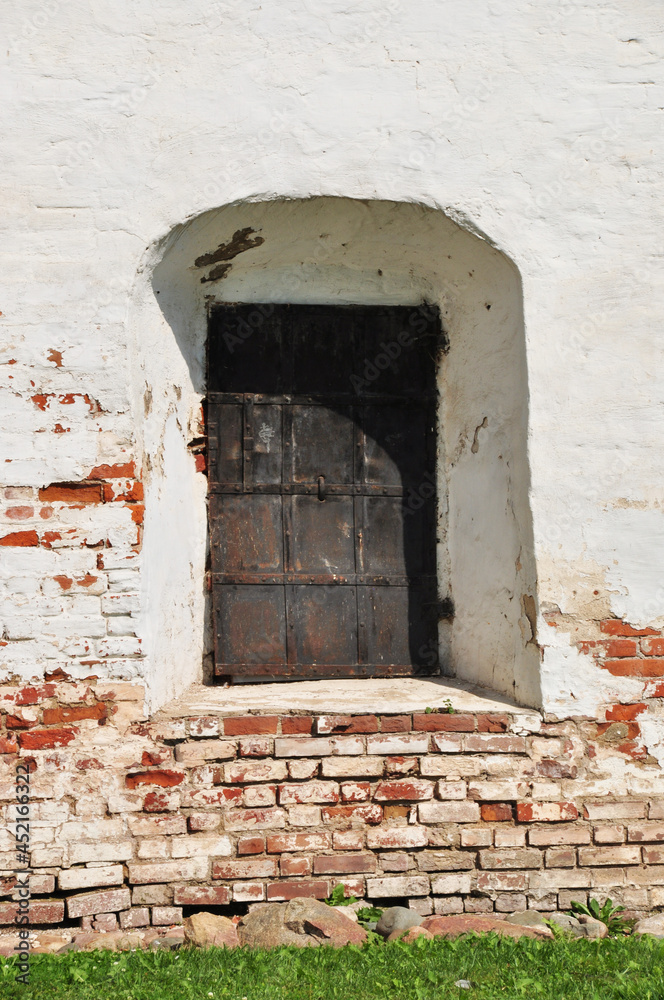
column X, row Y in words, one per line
column 321, row 452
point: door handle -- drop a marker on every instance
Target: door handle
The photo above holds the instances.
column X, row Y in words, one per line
column 321, row 487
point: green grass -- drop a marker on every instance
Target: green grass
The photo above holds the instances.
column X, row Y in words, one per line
column 614, row 969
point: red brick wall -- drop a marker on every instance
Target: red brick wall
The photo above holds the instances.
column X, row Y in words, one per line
column 140, row 818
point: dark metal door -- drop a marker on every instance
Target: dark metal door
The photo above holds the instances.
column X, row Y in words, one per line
column 321, row 448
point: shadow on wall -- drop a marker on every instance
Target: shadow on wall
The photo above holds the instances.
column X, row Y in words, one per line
column 340, row 251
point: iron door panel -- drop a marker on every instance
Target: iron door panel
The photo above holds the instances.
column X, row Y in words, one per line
column 250, row 628
column 397, row 444
column 322, row 444
column 400, row 346
column 323, row 535
column 224, row 424
column 246, row 534
column 398, row 631
column 246, row 352
column 324, row 625
column 267, row 451
column 383, row 549
column 323, row 350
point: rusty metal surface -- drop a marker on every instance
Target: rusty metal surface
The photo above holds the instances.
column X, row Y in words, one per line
column 322, row 508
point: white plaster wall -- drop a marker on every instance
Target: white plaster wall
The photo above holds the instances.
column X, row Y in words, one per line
column 537, row 125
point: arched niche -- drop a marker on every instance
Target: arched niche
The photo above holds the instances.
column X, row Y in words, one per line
column 337, row 250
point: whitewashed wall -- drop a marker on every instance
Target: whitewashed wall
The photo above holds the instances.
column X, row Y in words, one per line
column 535, row 127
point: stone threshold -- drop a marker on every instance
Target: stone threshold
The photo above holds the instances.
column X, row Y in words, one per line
column 348, row 697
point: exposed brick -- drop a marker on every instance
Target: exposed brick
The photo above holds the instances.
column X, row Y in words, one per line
column 480, row 837
column 435, row 722
column 204, row 726
column 644, row 832
column 392, row 838
column 201, row 846
column 163, row 778
column 105, row 901
column 492, row 723
column 609, row 834
column 279, row 843
column 197, row 822
column 613, row 626
column 437, row 861
column 321, row 746
column 252, row 770
column 251, row 845
column 200, row 751
column 20, row 539
column 620, row 647
column 624, row 713
column 249, row 868
column 609, row 856
column 255, row 746
column 510, row 837
column 8, row 744
column 450, row 884
column 546, row 812
column 486, row 743
column 312, row 791
column 446, row 743
column 656, row 810
column 344, row 864
column 400, row 765
column 394, row 862
column 251, row 725
column 355, row 791
column 494, row 881
column 164, row 916
column 649, row 667
column 47, row 739
column 653, row 855
column 499, row 791
column 451, row 790
column 58, row 716
column 516, row 857
column 291, row 867
column 292, row 725
column 449, row 812
column 560, row 857
column 201, row 895
column 309, row 816
column 653, row 647
column 558, row 836
column 42, row 911
column 87, row 878
column 348, row 840
column 404, row 790
column 362, row 813
column 167, row 871
column 615, row 810
column 303, row 769
column 278, row 891
column 352, row 767
column 138, row 916
column 409, row 743
column 346, row 724
column 398, row 885
column 496, row 812
column 254, row 819
column 162, row 801
column 396, row 723
column 151, row 826
column 248, row 892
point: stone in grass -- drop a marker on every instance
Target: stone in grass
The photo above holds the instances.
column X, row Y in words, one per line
column 455, row 926
column 526, row 918
column 566, row 922
column 302, row 922
column 105, row 941
column 209, row 929
column 591, row 928
column 653, row 925
column 397, row 918
column 410, row 935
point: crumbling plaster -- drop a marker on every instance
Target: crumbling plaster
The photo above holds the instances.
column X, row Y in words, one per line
column 538, row 125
